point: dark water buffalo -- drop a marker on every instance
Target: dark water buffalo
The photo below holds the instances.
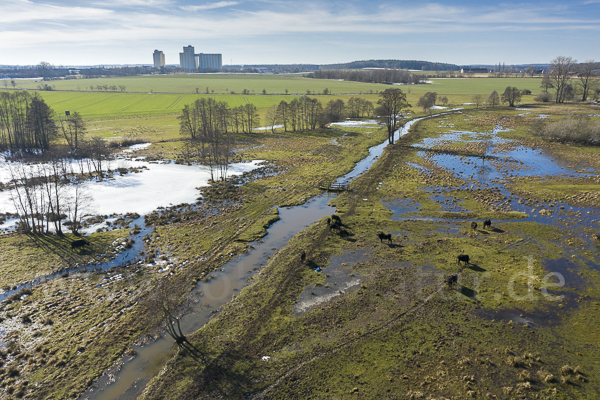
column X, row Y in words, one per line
column 385, row 236
column 335, row 225
column 79, row 243
column 303, row 256
column 473, row 225
column 487, row 223
column 451, row 280
column 328, row 221
column 462, row 258
column 335, row 218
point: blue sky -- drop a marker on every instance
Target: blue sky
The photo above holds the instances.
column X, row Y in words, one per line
column 88, row 32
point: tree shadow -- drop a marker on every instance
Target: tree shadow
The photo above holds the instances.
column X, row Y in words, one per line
column 56, row 244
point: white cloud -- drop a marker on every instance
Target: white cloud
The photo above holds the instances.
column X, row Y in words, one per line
column 210, row 6
column 24, row 11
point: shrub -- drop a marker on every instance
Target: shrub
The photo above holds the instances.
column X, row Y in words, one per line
column 543, row 97
column 579, row 130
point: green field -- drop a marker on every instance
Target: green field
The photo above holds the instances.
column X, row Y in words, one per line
column 151, row 104
column 277, row 84
column 216, row 83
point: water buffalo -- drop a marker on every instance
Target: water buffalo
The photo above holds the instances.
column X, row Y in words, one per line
column 335, row 218
column 79, row 243
column 385, row 236
column 473, row 225
column 451, row 280
column 328, row 221
column 487, row 223
column 335, row 225
column 303, row 256
column 462, row 258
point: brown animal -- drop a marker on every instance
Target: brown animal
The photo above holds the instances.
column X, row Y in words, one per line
column 487, row 223
column 385, row 236
column 473, row 225
column 79, row 243
column 462, row 258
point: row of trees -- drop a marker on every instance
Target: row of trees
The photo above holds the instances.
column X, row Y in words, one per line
column 563, row 70
column 46, row 193
column 26, row 122
column 386, row 76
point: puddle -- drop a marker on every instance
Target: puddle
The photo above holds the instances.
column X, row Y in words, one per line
column 130, row 380
column 340, row 279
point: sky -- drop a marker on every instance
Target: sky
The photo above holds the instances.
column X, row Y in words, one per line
column 93, row 32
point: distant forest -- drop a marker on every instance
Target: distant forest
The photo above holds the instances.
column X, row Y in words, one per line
column 386, row 76
column 394, row 64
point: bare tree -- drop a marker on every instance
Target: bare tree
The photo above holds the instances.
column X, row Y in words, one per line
column 561, row 71
column 531, row 71
column 167, row 304
column 391, row 103
column 587, row 72
column 99, row 154
column 272, row 118
column 477, row 99
column 511, row 95
column 494, row 99
column 73, row 129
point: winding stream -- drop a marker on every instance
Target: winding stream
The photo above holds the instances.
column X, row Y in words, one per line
column 129, row 379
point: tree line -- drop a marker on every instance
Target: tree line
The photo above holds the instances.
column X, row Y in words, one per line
column 385, row 76
column 26, row 122
column 46, row 193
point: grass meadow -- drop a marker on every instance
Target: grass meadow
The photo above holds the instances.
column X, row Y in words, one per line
column 150, row 104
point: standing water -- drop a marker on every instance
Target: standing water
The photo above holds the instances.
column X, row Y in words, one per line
column 131, row 379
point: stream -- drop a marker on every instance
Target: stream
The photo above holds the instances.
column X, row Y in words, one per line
column 130, row 377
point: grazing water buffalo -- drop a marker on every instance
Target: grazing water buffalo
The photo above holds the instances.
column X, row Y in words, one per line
column 487, row 223
column 462, row 258
column 473, row 225
column 451, row 280
column 335, row 225
column 303, row 256
column 385, row 236
column 336, row 219
column 79, row 243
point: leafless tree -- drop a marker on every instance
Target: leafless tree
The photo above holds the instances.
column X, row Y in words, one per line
column 477, row 99
column 587, row 73
column 272, row 118
column 391, row 103
column 74, row 129
column 531, row 71
column 167, row 304
column 494, row 99
column 561, row 72
column 511, row 95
